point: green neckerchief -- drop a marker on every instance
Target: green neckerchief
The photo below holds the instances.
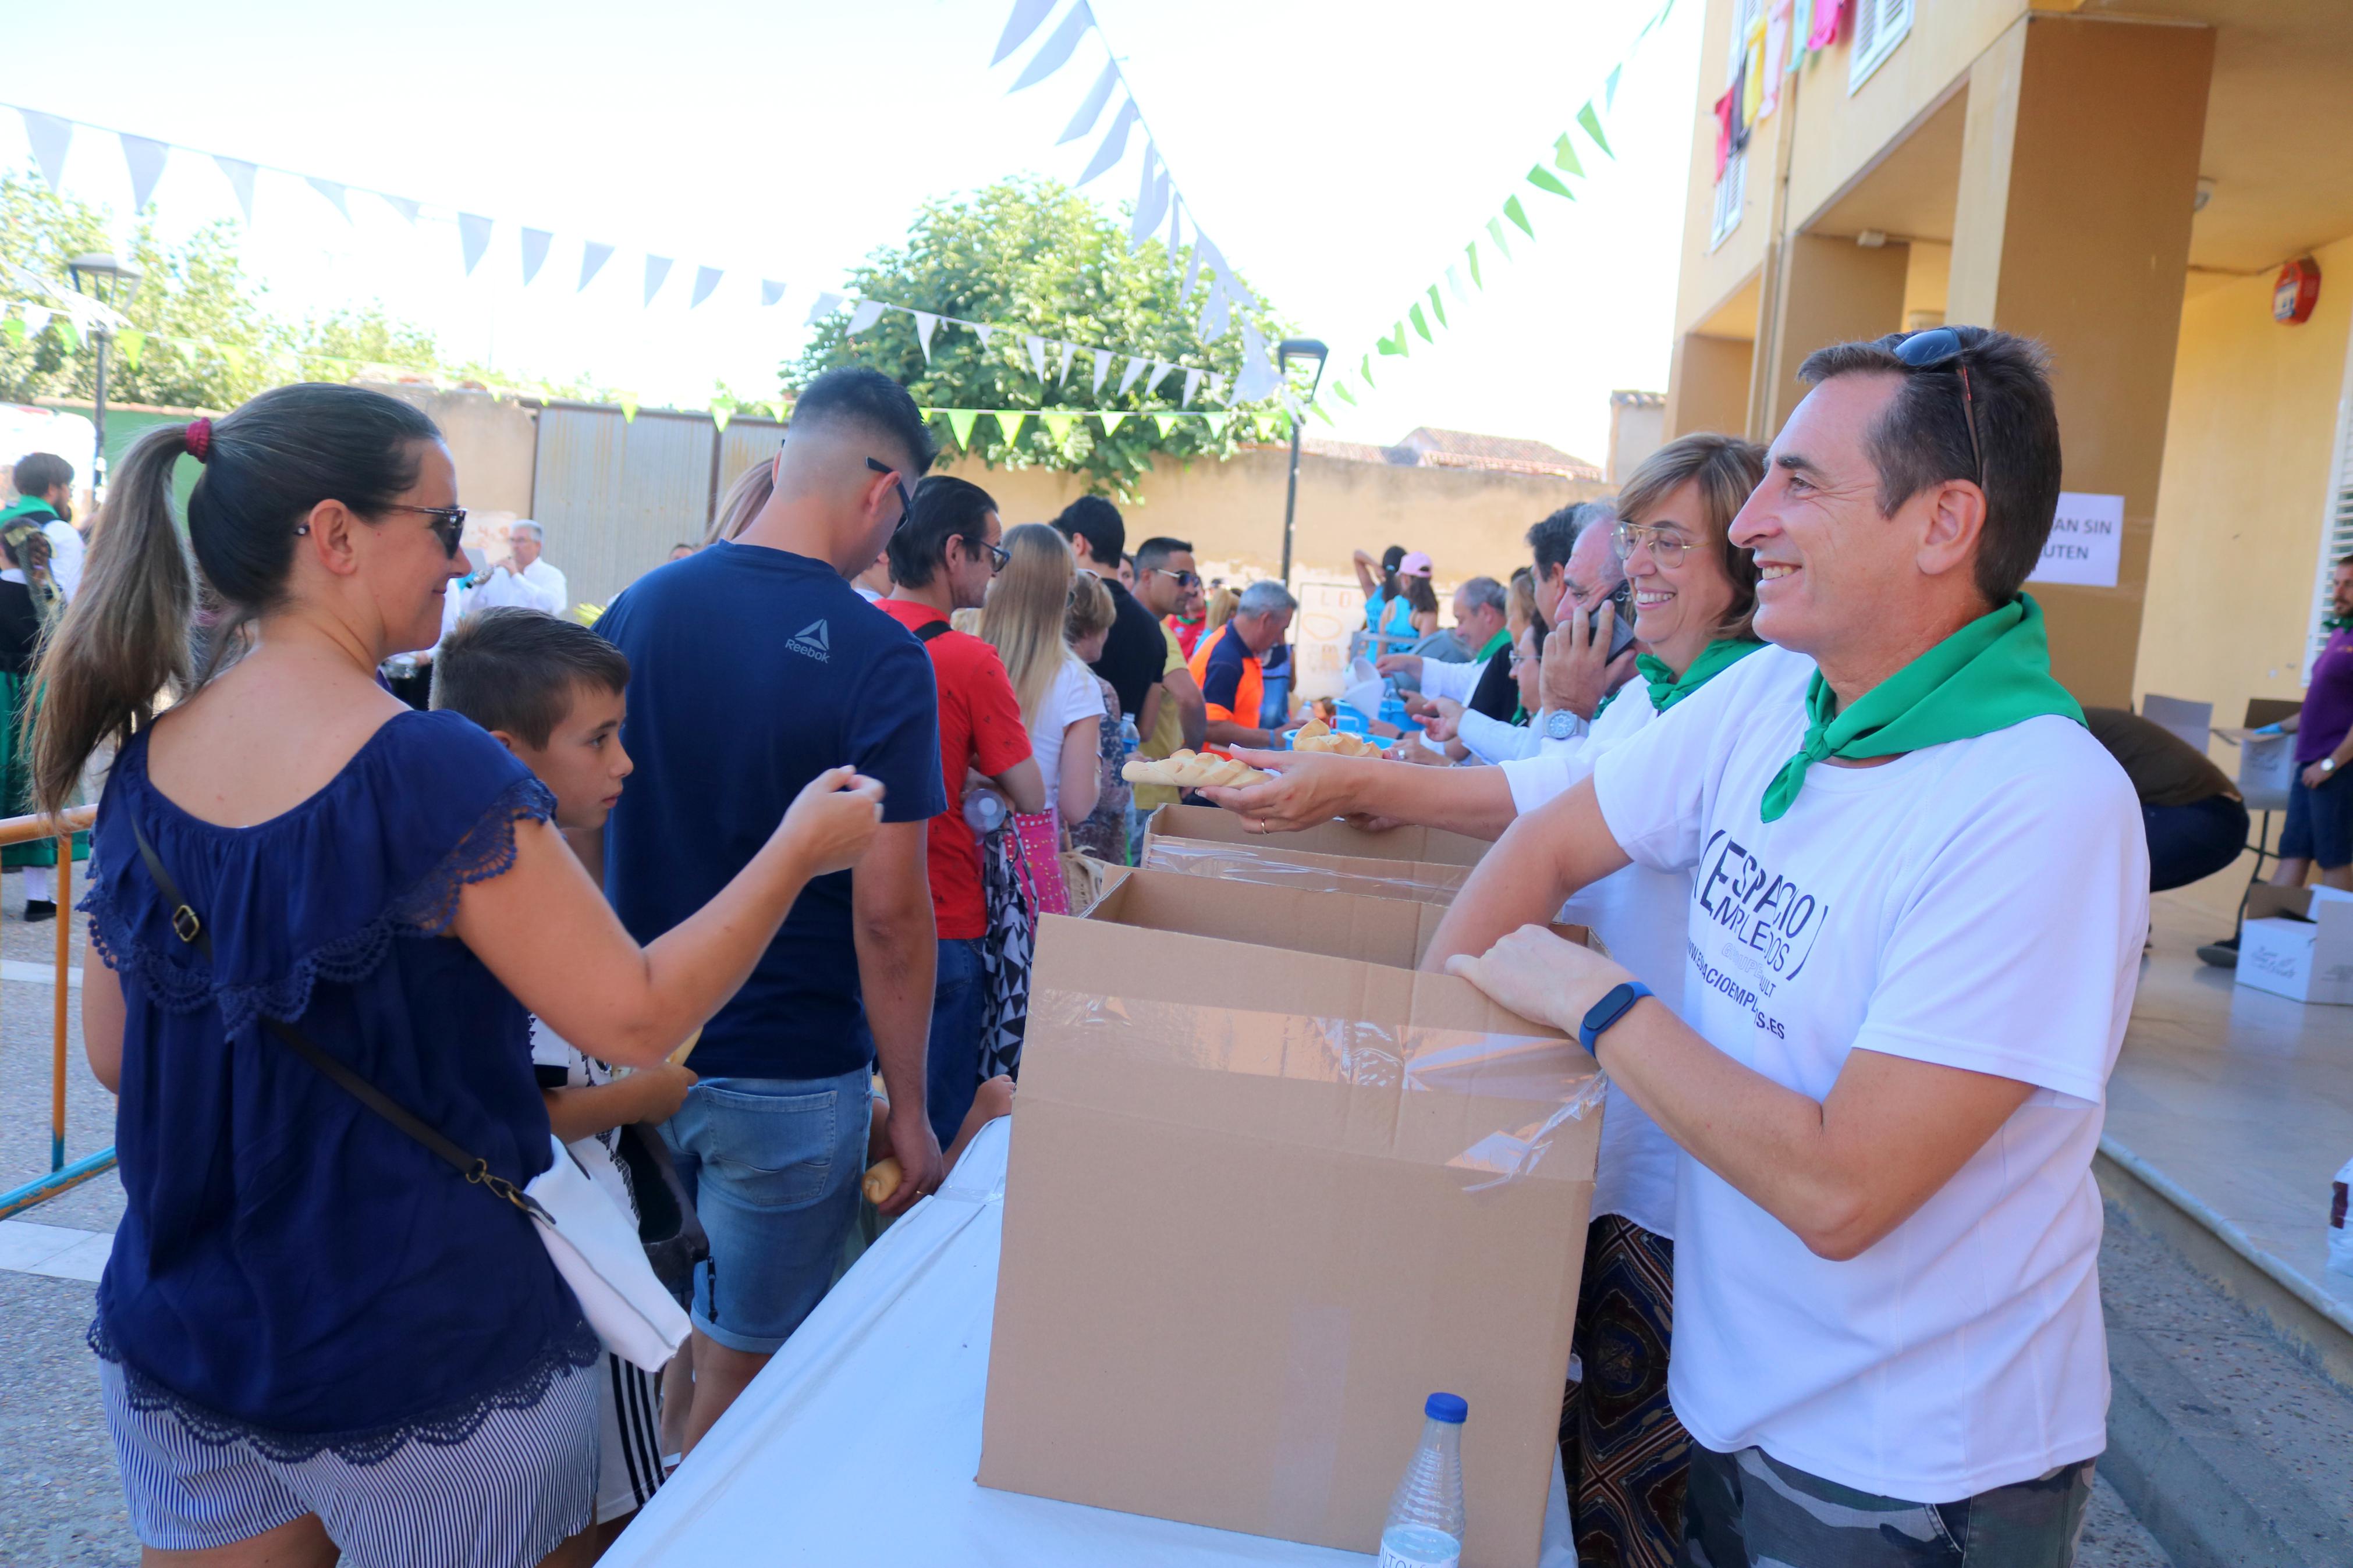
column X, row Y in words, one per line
column 1991, row 674
column 2335, row 623
column 1494, row 645
column 1667, row 689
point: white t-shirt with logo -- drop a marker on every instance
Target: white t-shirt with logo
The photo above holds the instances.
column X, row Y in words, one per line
column 1981, row 905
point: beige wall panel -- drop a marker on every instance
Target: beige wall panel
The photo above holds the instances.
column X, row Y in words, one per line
column 2073, row 228
column 1832, row 291
column 2239, row 507
column 1709, row 387
column 491, row 441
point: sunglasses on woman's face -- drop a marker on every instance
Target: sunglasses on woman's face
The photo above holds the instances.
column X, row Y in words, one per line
column 448, row 523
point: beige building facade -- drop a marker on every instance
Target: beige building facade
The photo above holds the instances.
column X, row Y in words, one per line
column 2123, row 180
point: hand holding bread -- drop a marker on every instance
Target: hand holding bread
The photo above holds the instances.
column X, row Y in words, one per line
column 1189, row 770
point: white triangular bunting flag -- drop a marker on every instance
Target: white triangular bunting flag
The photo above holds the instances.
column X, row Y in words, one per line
column 333, row 192
column 1176, row 210
column 37, row 320
column 1136, row 367
column 770, row 291
column 593, row 257
column 407, row 208
column 1037, row 349
column 240, row 180
column 827, row 304
column 1192, row 384
column 868, row 311
column 980, row 332
column 1055, row 50
column 1103, row 368
column 473, row 237
column 1216, row 315
column 1454, row 282
column 1217, row 389
column 1258, row 378
column 706, row 279
column 1070, row 352
column 1160, row 369
column 1027, row 14
column 656, row 274
column 50, row 136
column 1192, row 274
column 1113, row 146
column 1148, row 197
column 1090, row 108
column 536, row 242
column 145, row 158
column 926, row 324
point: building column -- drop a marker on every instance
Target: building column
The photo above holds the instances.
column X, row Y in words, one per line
column 2078, row 162
column 1830, row 290
column 1707, row 386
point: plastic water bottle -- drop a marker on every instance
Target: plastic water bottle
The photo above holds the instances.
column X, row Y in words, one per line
column 1425, row 1523
column 984, row 811
column 1129, row 740
column 1393, row 712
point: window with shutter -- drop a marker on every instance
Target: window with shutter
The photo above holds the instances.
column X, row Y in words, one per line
column 1732, row 190
column 1879, row 27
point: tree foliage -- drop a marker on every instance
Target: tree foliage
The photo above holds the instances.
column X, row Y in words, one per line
column 1038, row 257
column 201, row 334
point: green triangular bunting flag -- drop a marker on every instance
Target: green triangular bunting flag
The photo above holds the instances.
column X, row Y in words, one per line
column 1420, row 324
column 1437, row 305
column 960, row 422
column 68, row 330
column 1010, row 421
column 1058, row 426
column 1564, row 154
column 1111, row 421
column 1397, row 343
column 133, row 342
column 1592, row 124
column 1471, row 250
column 628, row 407
column 13, row 329
column 1216, row 422
column 1495, row 233
column 1544, row 179
column 1365, row 370
column 1340, row 390
column 1167, row 422
column 1316, row 408
column 1518, row 215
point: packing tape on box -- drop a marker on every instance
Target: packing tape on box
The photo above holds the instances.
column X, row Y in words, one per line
column 1244, row 863
column 1525, row 1068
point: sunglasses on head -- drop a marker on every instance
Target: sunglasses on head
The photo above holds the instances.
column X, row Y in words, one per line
column 448, row 523
column 1932, row 349
column 906, row 501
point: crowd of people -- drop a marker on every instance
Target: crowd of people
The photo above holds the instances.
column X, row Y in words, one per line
column 736, row 892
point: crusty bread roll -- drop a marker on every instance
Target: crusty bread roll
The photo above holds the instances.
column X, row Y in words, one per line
column 882, row 1178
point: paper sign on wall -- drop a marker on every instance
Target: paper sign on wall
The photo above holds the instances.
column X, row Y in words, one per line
column 2086, row 544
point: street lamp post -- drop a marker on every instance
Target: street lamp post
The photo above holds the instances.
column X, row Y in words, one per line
column 112, row 284
column 1291, row 348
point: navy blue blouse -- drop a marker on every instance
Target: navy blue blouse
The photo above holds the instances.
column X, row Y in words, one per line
column 292, row 1269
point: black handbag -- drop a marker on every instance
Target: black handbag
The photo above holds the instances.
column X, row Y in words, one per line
column 667, row 1224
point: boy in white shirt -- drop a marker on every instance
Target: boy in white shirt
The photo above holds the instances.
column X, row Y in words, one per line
column 553, row 693
column 1919, row 897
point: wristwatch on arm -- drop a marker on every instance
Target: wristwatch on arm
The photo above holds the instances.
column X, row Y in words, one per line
column 1560, row 724
column 1613, row 1007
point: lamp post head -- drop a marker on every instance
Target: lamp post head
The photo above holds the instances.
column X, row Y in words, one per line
column 110, row 282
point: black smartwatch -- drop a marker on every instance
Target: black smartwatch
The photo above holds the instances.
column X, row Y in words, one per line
column 1608, row 1010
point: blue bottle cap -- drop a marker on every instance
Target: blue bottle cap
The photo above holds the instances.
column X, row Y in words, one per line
column 1451, row 1407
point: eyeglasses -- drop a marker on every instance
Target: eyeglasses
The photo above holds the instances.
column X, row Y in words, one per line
column 997, row 554
column 907, row 503
column 1184, row 579
column 1666, row 549
column 1938, row 347
column 448, row 523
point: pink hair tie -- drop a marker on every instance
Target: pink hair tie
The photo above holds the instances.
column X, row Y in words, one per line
column 200, row 439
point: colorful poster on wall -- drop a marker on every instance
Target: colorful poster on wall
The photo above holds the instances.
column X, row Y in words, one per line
column 2086, row 544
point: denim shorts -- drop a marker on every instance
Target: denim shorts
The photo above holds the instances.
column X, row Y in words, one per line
column 2319, row 822
column 504, row 1497
column 773, row 1165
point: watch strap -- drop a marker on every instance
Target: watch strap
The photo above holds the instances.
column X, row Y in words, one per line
column 1613, row 1007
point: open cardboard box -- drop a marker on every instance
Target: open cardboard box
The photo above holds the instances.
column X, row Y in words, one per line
column 1274, row 864
column 1432, row 845
column 1261, row 1202
column 2299, row 942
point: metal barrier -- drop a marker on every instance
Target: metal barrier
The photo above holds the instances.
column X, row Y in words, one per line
column 61, row 1177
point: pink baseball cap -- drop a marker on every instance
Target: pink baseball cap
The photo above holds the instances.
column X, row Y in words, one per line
column 1416, row 565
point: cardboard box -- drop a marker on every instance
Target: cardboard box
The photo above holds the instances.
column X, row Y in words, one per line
column 2299, row 942
column 1432, row 846
column 1261, row 1202
column 2266, row 766
column 1271, row 863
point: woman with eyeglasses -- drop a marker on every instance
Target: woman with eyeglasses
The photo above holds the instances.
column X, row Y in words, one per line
column 316, row 1336
column 1695, row 594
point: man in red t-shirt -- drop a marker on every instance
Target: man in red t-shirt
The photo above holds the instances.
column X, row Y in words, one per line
column 942, row 559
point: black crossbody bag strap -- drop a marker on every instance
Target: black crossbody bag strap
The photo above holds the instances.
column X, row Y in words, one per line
column 190, row 928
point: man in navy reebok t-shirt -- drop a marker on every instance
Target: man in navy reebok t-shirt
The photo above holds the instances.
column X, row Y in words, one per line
column 755, row 667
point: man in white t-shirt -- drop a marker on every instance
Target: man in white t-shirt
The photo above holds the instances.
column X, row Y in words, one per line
column 524, row 538
column 1919, row 895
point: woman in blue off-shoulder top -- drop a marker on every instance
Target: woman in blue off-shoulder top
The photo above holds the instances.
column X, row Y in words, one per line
column 317, row 1337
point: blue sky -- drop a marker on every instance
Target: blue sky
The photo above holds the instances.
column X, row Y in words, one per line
column 1339, row 154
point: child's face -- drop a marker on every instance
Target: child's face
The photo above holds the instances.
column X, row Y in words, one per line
column 583, row 761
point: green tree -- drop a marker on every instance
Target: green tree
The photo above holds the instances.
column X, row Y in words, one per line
column 1037, row 256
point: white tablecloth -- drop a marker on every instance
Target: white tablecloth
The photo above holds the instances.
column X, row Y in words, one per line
column 859, row 1442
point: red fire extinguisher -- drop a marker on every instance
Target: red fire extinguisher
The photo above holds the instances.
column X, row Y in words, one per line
column 2295, row 292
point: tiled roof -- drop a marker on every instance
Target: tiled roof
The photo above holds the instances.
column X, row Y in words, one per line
column 1627, row 399
column 1427, row 448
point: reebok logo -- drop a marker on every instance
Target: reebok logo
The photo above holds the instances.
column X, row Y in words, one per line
column 812, row 640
